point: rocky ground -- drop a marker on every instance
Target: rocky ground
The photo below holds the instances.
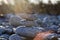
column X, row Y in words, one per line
column 27, row 26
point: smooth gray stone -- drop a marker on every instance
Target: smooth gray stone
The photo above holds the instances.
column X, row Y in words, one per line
column 15, row 21
column 15, row 37
column 28, row 31
column 29, row 23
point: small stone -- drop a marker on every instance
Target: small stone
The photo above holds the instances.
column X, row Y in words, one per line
column 2, row 30
column 4, row 36
column 3, row 39
column 15, row 37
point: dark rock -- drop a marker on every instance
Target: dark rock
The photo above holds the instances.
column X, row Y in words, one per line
column 52, row 37
column 50, row 19
column 53, row 28
column 39, row 21
column 2, row 30
column 58, row 31
column 58, row 17
column 5, row 36
column 3, row 39
column 58, row 38
column 58, row 35
column 8, row 30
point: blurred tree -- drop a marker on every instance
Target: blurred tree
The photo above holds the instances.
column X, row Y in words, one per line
column 47, row 8
column 5, row 8
column 23, row 6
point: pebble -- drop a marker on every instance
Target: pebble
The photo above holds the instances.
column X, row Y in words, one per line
column 15, row 37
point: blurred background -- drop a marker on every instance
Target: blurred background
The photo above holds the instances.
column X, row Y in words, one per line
column 30, row 6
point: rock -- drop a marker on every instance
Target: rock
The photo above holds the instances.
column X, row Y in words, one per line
column 1, row 21
column 6, row 36
column 2, row 30
column 29, row 17
column 28, row 31
column 7, row 25
column 52, row 36
column 1, row 26
column 45, row 36
column 53, row 28
column 39, row 21
column 58, row 17
column 15, row 37
column 3, row 39
column 58, row 38
column 58, row 35
column 59, row 24
column 9, row 30
column 58, row 31
column 51, row 19
column 15, row 21
column 9, row 15
column 29, row 23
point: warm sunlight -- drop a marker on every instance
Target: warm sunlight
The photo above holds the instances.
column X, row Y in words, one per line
column 7, row 1
column 44, row 1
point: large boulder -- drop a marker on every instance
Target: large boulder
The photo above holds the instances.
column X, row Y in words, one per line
column 28, row 31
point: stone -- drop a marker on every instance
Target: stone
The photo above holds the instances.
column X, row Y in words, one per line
column 15, row 21
column 28, row 31
column 15, row 37
column 29, row 17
